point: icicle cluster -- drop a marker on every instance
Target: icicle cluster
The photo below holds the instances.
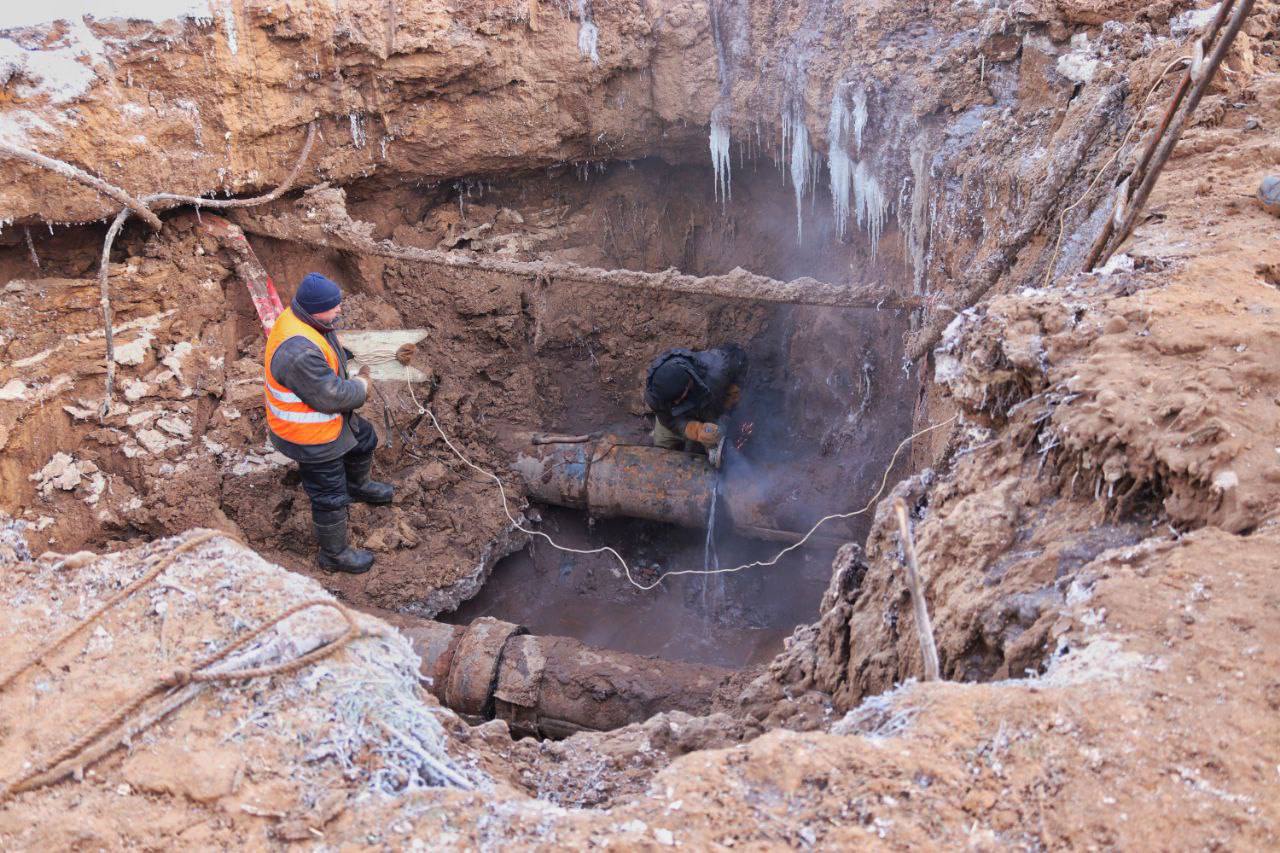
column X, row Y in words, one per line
column 720, row 161
column 854, row 186
column 588, row 34
column 871, row 203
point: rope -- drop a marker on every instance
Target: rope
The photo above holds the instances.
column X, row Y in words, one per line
column 195, row 674
column 148, row 577
column 626, row 568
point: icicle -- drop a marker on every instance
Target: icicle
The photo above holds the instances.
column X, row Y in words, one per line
column 801, row 168
column 588, row 34
column 839, row 166
column 872, row 205
column 918, row 230
column 720, row 160
column 859, row 117
column 357, row 130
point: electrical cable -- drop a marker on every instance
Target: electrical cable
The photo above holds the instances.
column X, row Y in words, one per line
column 626, row 568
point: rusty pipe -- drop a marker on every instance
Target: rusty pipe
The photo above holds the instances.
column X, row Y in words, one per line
column 550, row 686
column 607, row 478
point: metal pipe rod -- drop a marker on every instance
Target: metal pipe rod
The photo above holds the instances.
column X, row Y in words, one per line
column 610, row 479
column 549, row 686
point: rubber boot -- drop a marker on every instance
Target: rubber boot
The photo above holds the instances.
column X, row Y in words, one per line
column 335, row 554
column 363, row 489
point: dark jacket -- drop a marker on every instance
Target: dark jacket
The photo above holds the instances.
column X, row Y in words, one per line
column 712, row 371
column 300, row 366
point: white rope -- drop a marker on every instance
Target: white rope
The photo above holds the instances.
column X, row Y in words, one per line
column 605, row 549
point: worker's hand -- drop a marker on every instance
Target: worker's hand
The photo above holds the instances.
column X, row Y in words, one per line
column 732, row 397
column 706, row 434
column 362, row 376
column 405, row 354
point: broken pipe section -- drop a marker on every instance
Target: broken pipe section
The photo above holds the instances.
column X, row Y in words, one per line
column 550, row 686
column 608, row 478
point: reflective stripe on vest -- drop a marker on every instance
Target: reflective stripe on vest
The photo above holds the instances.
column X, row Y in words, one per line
column 287, row 416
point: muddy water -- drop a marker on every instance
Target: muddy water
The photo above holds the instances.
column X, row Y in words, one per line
column 587, row 597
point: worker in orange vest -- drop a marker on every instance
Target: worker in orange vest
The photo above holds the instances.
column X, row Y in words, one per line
column 310, row 405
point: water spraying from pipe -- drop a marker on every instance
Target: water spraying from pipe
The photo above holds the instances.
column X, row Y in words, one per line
column 712, row 583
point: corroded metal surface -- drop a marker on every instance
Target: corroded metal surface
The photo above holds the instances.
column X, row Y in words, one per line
column 650, row 482
column 554, row 686
column 473, row 672
column 549, row 686
column 607, row 479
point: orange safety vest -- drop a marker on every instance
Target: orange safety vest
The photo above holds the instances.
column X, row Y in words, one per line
column 287, row 416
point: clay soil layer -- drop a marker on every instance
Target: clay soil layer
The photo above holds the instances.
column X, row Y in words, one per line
column 1095, row 518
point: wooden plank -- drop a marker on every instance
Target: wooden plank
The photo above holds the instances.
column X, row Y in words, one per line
column 377, row 349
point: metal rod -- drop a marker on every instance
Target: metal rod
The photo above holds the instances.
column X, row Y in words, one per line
column 924, row 627
column 1202, row 74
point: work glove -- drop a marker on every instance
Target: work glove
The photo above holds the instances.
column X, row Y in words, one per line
column 362, row 376
column 706, row 434
column 405, row 354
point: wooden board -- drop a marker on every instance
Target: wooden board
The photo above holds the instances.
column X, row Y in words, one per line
column 378, row 350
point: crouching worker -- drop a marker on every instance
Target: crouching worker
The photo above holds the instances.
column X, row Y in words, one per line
column 311, row 405
column 689, row 391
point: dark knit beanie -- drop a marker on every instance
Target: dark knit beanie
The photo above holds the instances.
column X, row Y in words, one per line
column 317, row 294
column 670, row 381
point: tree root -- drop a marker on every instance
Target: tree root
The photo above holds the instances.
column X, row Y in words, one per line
column 738, row 284
column 173, row 199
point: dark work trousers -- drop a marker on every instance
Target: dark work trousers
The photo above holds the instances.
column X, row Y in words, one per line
column 326, row 482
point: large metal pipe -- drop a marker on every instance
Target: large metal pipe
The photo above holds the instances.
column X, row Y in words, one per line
column 608, row 478
column 550, row 686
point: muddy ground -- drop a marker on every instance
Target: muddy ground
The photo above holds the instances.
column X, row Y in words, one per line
column 1094, row 527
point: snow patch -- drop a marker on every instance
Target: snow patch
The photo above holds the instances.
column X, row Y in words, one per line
column 64, row 70
column 1082, row 63
column 229, row 24
column 33, row 14
column 1192, row 21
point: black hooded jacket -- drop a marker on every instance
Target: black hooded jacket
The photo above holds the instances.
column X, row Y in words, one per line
column 300, row 366
column 712, row 372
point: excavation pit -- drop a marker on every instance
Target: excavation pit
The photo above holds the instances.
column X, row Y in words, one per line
column 512, row 353
column 729, row 620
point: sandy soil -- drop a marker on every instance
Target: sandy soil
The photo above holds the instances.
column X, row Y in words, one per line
column 1097, row 532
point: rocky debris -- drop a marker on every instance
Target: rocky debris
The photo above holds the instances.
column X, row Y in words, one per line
column 1269, row 194
column 63, row 472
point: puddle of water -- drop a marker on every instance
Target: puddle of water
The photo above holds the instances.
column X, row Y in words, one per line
column 742, row 620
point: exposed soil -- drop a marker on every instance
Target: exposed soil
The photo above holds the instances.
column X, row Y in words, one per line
column 1095, row 527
